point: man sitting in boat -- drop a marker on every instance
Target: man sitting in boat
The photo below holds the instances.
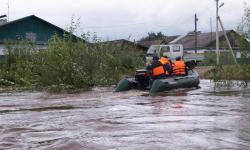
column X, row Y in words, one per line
column 167, row 65
column 156, row 68
column 179, row 67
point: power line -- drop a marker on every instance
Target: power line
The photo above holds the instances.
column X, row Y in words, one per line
column 132, row 25
column 178, row 24
column 117, row 25
column 191, row 17
column 200, row 25
column 168, row 27
column 206, row 9
column 229, row 13
column 235, row 4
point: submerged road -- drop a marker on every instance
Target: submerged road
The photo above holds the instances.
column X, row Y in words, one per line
column 98, row 119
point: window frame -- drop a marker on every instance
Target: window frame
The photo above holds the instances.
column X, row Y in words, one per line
column 176, row 49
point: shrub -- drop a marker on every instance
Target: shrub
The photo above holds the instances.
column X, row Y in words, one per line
column 68, row 62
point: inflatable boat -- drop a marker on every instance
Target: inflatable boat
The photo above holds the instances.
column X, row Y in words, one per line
column 143, row 81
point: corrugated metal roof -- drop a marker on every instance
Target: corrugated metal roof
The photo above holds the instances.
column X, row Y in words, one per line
column 148, row 43
column 120, row 43
column 176, row 39
column 203, row 39
column 188, row 40
column 170, row 38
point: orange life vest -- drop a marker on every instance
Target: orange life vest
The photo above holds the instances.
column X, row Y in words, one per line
column 165, row 61
column 158, row 68
column 179, row 67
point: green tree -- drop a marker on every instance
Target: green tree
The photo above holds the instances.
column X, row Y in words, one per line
column 153, row 36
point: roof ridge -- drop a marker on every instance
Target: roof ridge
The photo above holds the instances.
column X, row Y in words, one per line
column 177, row 39
column 13, row 21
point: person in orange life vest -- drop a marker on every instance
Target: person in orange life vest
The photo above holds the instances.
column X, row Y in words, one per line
column 179, row 67
column 156, row 67
column 167, row 65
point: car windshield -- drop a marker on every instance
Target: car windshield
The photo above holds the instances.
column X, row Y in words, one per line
column 152, row 50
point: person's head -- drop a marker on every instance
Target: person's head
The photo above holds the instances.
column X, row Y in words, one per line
column 178, row 58
column 165, row 56
column 155, row 58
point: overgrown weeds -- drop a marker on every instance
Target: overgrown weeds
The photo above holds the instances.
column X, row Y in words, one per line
column 229, row 75
column 67, row 62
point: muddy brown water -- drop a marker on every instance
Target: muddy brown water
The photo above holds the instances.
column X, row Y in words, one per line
column 100, row 119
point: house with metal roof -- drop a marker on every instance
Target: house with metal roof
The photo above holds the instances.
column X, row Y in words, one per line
column 205, row 41
column 28, row 28
column 122, row 44
column 144, row 45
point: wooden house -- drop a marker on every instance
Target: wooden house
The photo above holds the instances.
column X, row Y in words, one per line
column 28, row 28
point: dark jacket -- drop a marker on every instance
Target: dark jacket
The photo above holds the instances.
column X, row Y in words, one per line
column 156, row 69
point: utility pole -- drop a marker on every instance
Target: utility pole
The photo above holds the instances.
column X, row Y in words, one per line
column 228, row 43
column 211, row 29
column 195, row 20
column 217, row 37
column 217, row 34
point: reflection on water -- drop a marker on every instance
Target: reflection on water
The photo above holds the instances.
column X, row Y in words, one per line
column 99, row 118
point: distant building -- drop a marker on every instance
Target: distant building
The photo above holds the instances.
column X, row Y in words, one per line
column 28, row 28
column 122, row 44
column 144, row 45
column 2, row 21
column 205, row 41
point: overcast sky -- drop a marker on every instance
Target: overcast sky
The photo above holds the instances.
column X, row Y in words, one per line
column 119, row 19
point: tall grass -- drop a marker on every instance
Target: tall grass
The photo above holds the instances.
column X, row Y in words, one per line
column 227, row 73
column 68, row 62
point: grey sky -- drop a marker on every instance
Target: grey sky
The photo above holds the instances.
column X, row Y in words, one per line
column 117, row 19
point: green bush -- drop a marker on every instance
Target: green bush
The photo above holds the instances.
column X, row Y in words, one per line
column 68, row 62
column 227, row 72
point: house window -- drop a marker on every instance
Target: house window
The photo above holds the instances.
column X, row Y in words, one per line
column 176, row 48
column 30, row 36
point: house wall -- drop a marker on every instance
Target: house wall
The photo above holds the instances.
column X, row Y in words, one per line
column 141, row 49
column 38, row 28
column 42, row 47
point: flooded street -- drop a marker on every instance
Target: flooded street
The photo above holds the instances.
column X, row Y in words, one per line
column 99, row 119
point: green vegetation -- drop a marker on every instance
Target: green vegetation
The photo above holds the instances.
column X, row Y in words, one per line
column 66, row 63
column 230, row 73
column 153, row 36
